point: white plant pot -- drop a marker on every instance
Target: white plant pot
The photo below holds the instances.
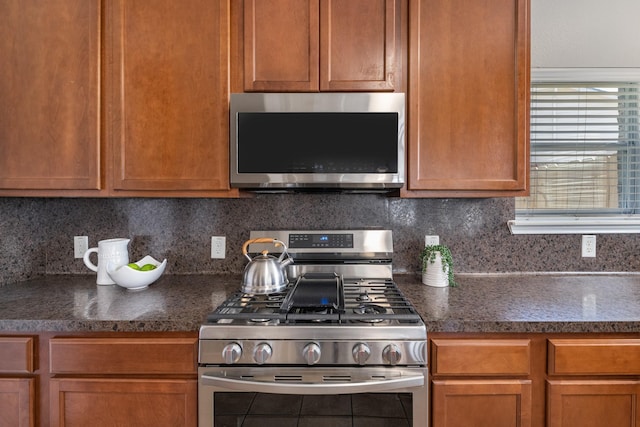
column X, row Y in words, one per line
column 433, row 275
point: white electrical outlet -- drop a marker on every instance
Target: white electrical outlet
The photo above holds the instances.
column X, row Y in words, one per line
column 218, row 247
column 588, row 246
column 80, row 246
column 431, row 240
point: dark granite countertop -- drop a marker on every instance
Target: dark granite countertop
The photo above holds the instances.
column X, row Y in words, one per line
column 481, row 303
column 546, row 303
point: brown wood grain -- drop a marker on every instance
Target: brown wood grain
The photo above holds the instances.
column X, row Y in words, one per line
column 468, row 98
column 50, row 95
column 481, row 357
column 168, row 110
column 71, row 355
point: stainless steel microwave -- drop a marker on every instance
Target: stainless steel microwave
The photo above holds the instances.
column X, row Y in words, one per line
column 297, row 141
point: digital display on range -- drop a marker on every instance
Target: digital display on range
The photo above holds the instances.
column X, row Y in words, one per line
column 308, row 240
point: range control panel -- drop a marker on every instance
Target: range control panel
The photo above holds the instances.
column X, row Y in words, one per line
column 348, row 244
column 323, row 240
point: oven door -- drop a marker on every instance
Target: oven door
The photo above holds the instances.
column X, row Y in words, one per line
column 330, row 396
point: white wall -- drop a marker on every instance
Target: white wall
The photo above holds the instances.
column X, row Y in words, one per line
column 585, row 33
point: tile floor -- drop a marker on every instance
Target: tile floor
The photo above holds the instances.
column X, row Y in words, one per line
column 282, row 410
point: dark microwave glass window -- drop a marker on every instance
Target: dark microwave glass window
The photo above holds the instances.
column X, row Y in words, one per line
column 318, row 142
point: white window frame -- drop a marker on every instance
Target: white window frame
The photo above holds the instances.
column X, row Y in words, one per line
column 571, row 223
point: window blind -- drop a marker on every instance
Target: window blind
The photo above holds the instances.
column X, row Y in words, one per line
column 585, row 150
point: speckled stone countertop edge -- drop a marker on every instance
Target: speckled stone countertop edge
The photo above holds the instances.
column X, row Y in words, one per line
column 492, row 303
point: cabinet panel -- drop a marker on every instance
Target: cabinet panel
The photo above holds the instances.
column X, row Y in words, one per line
column 480, row 357
column 594, row 356
column 495, row 403
column 123, row 402
column 281, row 42
column 327, row 45
column 359, row 42
column 597, row 403
column 469, row 98
column 85, row 356
column 168, row 116
column 17, row 402
column 50, row 95
column 17, row 354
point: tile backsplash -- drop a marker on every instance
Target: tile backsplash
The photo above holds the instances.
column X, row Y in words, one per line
column 36, row 234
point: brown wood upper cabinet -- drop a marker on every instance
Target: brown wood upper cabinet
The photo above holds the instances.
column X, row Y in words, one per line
column 469, row 98
column 114, row 98
column 168, row 113
column 50, row 95
column 321, row 45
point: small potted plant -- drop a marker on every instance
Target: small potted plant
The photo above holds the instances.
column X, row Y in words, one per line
column 437, row 266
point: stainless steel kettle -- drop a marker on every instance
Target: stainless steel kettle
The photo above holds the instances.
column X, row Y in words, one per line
column 265, row 274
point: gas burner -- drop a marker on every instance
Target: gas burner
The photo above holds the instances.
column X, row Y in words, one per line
column 314, row 310
column 258, row 312
column 364, row 296
column 370, row 310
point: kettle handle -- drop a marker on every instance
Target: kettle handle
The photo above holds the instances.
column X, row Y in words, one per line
column 276, row 242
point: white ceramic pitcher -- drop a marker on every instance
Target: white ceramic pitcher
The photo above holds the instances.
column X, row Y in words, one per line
column 110, row 250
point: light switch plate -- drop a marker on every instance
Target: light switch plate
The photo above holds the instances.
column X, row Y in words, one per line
column 218, row 247
column 588, row 246
column 431, row 240
column 80, row 246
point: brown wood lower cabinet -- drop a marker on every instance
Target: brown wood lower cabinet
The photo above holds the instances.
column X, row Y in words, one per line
column 123, row 402
column 134, row 380
column 17, row 381
column 17, row 402
column 482, row 381
column 593, row 382
column 534, row 380
column 490, row 402
column 593, row 403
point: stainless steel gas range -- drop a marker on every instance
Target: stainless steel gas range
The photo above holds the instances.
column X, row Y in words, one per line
column 340, row 329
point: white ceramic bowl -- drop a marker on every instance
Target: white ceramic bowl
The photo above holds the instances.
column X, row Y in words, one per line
column 132, row 279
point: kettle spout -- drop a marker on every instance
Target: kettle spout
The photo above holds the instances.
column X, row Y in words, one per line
column 285, row 261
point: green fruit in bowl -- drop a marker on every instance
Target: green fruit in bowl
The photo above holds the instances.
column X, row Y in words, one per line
column 134, row 266
column 148, row 267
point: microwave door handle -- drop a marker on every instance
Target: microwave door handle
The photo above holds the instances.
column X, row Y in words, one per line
column 370, row 386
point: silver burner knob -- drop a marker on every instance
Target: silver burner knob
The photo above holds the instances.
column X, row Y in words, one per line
column 311, row 353
column 262, row 353
column 361, row 353
column 231, row 353
column 391, row 354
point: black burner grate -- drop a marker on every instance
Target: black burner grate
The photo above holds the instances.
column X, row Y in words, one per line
column 322, row 299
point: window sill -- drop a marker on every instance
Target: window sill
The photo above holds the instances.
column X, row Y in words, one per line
column 574, row 225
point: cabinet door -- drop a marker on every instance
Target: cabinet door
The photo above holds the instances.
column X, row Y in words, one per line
column 327, row 45
column 594, row 356
column 281, row 39
column 123, row 356
column 490, row 403
column 168, row 111
column 359, row 45
column 17, row 354
column 469, row 98
column 17, row 402
column 480, row 357
column 123, row 402
column 50, row 95
column 597, row 403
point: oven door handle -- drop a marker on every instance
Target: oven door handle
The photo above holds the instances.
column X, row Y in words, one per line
column 338, row 387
